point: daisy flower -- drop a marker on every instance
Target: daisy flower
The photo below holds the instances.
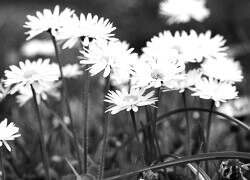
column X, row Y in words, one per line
column 192, row 76
column 40, row 71
column 129, row 101
column 47, row 21
column 219, row 91
column 224, row 69
column 37, row 47
column 86, row 28
column 182, row 11
column 186, row 47
column 42, row 93
column 8, row 133
column 72, row 70
column 157, row 73
column 106, row 55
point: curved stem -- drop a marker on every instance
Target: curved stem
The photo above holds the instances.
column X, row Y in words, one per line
column 132, row 114
column 188, row 128
column 185, row 160
column 1, row 164
column 64, row 93
column 105, row 132
column 170, row 113
column 41, row 134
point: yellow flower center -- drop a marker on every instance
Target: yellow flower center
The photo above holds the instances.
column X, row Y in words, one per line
column 157, row 74
column 29, row 74
column 131, row 98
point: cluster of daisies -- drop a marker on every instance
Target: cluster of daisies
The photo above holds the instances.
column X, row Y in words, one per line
column 162, row 65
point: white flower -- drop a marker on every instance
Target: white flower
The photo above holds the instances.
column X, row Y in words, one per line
column 192, row 76
column 219, row 91
column 119, row 78
column 157, row 73
column 86, row 28
column 42, row 92
column 39, row 71
column 129, row 101
column 224, row 69
column 186, row 47
column 8, row 133
column 72, row 70
column 37, row 47
column 106, row 55
column 182, row 11
column 47, row 21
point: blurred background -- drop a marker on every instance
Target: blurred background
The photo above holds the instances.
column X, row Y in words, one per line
column 136, row 21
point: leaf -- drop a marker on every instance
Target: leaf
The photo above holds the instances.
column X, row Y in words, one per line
column 187, row 159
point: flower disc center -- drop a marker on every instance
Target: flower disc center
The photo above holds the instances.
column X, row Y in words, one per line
column 29, row 74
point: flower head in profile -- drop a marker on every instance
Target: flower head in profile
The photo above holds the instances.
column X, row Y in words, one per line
column 8, row 133
column 3, row 91
column 157, row 73
column 129, row 101
column 106, row 55
column 182, row 11
column 219, row 91
column 47, row 21
column 86, row 28
column 40, row 71
column 223, row 69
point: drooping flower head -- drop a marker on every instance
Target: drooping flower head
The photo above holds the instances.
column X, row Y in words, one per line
column 129, row 101
column 40, row 71
column 47, row 21
column 223, row 69
column 182, row 11
column 86, row 28
column 219, row 91
column 106, row 55
column 8, row 133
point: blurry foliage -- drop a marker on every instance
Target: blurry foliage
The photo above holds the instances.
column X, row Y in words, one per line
column 136, row 21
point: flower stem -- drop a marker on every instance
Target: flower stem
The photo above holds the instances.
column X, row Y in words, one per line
column 41, row 134
column 1, row 164
column 105, row 132
column 209, row 125
column 188, row 128
column 64, row 93
column 85, row 122
column 158, row 94
column 132, row 114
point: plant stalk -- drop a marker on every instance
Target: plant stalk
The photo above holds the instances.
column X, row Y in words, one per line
column 41, row 134
column 64, row 93
column 105, row 132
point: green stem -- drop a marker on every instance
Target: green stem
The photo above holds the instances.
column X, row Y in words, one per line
column 158, row 94
column 132, row 114
column 1, row 164
column 41, row 134
column 188, row 128
column 64, row 93
column 105, row 132
column 209, row 121
column 85, row 122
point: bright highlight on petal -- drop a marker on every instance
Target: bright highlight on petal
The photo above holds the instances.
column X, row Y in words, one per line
column 8, row 133
column 129, row 101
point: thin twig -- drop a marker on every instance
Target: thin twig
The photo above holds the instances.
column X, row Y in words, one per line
column 1, row 164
